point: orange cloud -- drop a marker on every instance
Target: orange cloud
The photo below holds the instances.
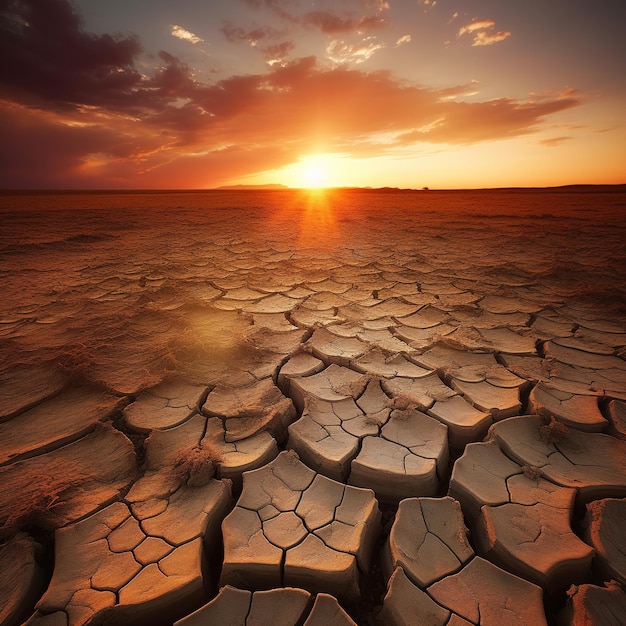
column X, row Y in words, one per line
column 342, row 52
column 474, row 26
column 483, row 38
column 482, row 31
column 467, row 123
column 201, row 134
column 427, row 4
column 402, row 40
column 554, row 141
column 379, row 5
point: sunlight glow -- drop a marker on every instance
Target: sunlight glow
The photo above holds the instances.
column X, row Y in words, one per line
column 318, row 171
column 315, row 176
column 311, row 172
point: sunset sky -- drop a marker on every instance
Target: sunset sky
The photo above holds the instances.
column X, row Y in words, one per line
column 406, row 93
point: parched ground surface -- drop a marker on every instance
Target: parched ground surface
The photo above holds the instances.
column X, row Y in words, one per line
column 294, row 410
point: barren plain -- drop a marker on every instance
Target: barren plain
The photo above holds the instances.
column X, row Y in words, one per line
column 323, row 407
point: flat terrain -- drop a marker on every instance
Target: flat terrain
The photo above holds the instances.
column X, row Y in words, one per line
column 379, row 407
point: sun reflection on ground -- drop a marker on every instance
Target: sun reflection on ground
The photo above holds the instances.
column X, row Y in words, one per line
column 317, row 221
column 315, row 176
column 308, row 218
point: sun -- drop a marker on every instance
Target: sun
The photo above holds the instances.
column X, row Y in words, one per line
column 316, row 171
column 315, row 176
column 313, row 172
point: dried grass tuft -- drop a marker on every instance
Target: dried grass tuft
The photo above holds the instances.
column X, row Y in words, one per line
column 355, row 388
column 553, row 432
column 37, row 504
column 196, row 466
column 376, row 419
column 98, row 362
column 402, row 403
column 531, row 472
column 76, row 360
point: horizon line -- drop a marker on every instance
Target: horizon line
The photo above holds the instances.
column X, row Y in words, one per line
column 281, row 187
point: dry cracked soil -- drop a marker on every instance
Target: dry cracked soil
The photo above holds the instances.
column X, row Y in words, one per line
column 373, row 436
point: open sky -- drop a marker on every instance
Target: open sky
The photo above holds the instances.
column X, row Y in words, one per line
column 407, row 93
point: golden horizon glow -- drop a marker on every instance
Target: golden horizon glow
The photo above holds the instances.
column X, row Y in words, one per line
column 453, row 167
column 316, row 172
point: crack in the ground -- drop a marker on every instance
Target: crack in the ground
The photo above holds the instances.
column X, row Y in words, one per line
column 118, row 422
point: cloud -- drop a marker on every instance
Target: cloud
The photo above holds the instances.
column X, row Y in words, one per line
column 185, row 35
column 483, row 38
column 262, row 38
column 402, row 40
column 553, row 141
column 251, row 123
column 378, row 5
column 326, row 21
column 173, row 79
column 474, row 122
column 46, row 149
column 45, row 53
column 331, row 24
column 104, row 123
column 370, row 23
column 342, row 52
column 278, row 7
column 427, row 4
column 483, row 33
column 278, row 53
column 236, row 34
column 474, row 26
column 458, row 91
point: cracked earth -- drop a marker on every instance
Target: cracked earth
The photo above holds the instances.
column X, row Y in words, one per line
column 340, row 434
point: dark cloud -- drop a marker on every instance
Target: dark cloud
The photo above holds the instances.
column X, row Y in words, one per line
column 327, row 21
column 46, row 54
column 236, row 34
column 173, row 80
column 42, row 149
column 278, row 7
column 277, row 53
column 332, row 24
column 48, row 60
column 265, row 39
